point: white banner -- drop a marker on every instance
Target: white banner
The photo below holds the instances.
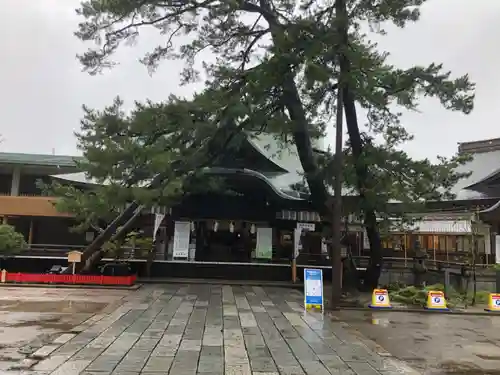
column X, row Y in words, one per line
column 297, row 235
column 182, row 231
column 264, row 247
column 311, row 227
column 487, row 244
column 158, row 219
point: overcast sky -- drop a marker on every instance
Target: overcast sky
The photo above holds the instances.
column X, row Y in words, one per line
column 42, row 87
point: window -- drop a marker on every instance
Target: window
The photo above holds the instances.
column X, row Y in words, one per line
column 480, row 245
column 467, row 244
column 411, row 241
column 388, row 242
column 398, row 242
column 421, row 241
column 442, row 243
column 394, row 242
column 430, row 242
column 451, row 243
column 435, row 239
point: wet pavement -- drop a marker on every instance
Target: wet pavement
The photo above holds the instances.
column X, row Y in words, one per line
column 213, row 329
column 31, row 317
column 434, row 343
column 210, row 329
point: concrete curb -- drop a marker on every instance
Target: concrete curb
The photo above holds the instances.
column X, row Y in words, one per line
column 421, row 311
column 69, row 286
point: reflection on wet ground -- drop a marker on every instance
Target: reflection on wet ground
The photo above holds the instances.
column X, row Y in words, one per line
column 19, row 329
column 31, row 317
column 65, row 307
column 434, row 343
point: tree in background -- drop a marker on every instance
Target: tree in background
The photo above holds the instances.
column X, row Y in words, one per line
column 11, row 242
column 134, row 242
column 151, row 155
column 275, row 67
column 91, row 208
column 125, row 152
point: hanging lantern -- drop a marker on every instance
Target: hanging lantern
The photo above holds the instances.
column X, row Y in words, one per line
column 231, row 227
column 252, row 229
column 216, row 226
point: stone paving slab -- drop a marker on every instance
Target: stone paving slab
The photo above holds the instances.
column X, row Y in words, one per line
column 212, row 329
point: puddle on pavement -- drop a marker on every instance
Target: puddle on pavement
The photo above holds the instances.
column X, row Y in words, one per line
column 380, row 322
column 17, row 329
column 25, row 324
column 24, row 321
column 489, row 357
column 432, row 343
column 464, row 368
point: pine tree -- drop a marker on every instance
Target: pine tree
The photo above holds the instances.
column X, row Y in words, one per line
column 282, row 60
column 149, row 156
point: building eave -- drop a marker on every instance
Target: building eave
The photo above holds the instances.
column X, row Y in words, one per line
column 39, row 160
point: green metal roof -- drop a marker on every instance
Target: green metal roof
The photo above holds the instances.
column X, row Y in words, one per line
column 38, row 160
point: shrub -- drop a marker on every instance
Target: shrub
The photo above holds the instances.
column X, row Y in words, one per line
column 10, row 240
column 415, row 296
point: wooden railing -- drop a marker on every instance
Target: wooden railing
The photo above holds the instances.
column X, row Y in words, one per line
column 55, row 250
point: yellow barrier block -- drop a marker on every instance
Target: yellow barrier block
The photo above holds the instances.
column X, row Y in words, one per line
column 436, row 301
column 493, row 302
column 380, row 299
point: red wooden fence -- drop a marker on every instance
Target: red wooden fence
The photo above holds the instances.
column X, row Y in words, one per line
column 35, row 278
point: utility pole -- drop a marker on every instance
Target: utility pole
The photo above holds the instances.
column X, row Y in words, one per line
column 341, row 20
column 475, row 226
column 337, row 207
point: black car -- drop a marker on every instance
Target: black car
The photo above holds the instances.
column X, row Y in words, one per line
column 56, row 269
column 116, row 269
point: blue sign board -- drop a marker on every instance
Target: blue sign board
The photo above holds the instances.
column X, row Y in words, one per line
column 313, row 287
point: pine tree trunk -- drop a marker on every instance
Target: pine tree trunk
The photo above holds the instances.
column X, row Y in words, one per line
column 319, row 194
column 301, row 135
column 119, row 236
column 374, row 269
column 302, row 138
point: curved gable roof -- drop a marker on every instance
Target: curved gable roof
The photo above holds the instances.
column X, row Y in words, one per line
column 285, row 156
column 483, row 166
column 288, row 174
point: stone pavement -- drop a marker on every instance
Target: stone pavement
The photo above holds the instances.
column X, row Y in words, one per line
column 209, row 330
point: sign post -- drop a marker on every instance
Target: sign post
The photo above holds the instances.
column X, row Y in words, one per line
column 74, row 257
column 313, row 289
